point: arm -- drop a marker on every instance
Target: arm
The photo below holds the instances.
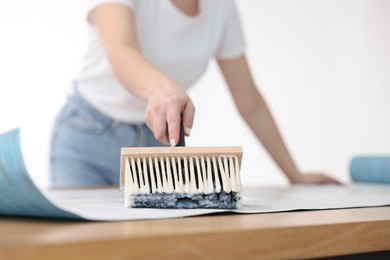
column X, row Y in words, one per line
column 256, row 113
column 167, row 103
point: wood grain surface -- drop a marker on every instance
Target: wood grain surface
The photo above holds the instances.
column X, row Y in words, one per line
column 302, row 234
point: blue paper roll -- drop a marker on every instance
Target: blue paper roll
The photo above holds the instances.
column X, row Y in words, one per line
column 374, row 169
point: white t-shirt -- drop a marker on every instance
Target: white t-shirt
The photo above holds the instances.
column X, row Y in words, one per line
column 179, row 45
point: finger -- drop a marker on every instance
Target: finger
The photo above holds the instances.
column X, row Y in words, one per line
column 173, row 121
column 149, row 124
column 160, row 127
column 329, row 180
column 188, row 115
column 334, row 181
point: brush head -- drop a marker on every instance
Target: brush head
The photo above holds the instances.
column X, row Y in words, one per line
column 181, row 177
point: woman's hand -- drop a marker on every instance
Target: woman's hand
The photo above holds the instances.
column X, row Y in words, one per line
column 313, row 178
column 169, row 108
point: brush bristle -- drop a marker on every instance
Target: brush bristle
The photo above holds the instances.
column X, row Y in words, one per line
column 169, row 181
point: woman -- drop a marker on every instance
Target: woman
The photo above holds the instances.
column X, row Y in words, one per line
column 143, row 55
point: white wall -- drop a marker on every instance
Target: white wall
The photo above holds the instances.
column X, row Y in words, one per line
column 323, row 66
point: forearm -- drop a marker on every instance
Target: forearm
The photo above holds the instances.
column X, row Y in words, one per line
column 138, row 75
column 116, row 26
column 256, row 113
column 260, row 120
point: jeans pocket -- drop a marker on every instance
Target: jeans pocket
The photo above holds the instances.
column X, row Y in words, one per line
column 82, row 116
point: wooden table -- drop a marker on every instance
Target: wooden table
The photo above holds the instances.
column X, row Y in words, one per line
column 302, row 234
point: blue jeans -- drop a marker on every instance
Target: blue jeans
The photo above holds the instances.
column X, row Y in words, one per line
column 85, row 145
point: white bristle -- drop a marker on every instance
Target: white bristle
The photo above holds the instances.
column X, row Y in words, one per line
column 230, row 176
column 163, row 174
column 141, row 176
column 175, row 177
column 237, row 171
column 186, row 176
column 146, row 176
column 152, row 176
column 169, row 187
column 224, row 177
column 158, row 176
column 204, row 175
column 134, row 175
column 201, row 176
column 192, row 176
column 210, row 185
column 229, row 168
column 180, row 173
column 217, row 181
column 129, row 184
column 139, row 173
column 232, row 171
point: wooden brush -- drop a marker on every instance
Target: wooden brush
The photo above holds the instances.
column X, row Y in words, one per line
column 181, row 177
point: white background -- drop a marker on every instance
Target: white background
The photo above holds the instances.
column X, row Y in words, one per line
column 322, row 65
